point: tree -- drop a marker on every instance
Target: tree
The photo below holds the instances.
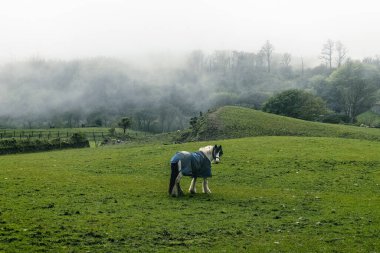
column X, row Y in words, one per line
column 341, row 53
column 220, row 61
column 267, row 51
column 145, row 118
column 196, row 61
column 286, row 69
column 372, row 60
column 124, row 123
column 297, row 104
column 354, row 87
column 98, row 122
column 286, row 59
column 327, row 53
column 168, row 115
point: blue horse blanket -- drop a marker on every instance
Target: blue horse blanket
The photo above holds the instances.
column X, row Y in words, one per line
column 193, row 164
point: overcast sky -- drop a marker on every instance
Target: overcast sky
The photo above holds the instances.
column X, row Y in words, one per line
column 67, row 29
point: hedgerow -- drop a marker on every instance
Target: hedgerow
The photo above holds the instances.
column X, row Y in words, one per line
column 12, row 146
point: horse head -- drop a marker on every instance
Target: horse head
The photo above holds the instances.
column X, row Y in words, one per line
column 217, row 153
column 213, row 153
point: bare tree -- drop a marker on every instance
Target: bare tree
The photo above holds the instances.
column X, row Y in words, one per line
column 221, row 60
column 372, row 60
column 342, row 53
column 259, row 61
column 144, row 119
column 267, row 51
column 286, row 59
column 327, row 53
column 196, row 61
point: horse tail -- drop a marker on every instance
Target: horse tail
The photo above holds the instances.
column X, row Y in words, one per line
column 173, row 176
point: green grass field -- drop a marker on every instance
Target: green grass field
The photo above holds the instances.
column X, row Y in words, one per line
column 289, row 193
column 270, row 194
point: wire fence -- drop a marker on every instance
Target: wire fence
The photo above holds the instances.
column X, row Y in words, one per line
column 48, row 134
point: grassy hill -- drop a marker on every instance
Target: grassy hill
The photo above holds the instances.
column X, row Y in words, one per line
column 236, row 122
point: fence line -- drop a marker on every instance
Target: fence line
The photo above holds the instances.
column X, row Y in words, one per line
column 22, row 134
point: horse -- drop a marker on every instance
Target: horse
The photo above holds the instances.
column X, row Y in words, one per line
column 195, row 164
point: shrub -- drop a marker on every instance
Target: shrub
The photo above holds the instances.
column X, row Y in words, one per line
column 335, row 118
column 78, row 138
column 11, row 146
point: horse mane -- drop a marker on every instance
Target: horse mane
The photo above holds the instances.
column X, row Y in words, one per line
column 207, row 151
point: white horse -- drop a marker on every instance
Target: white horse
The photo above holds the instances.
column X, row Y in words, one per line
column 196, row 164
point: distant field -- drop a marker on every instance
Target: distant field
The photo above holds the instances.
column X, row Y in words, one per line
column 237, row 122
column 270, row 194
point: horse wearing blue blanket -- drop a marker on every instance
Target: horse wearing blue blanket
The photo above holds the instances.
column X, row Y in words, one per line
column 196, row 164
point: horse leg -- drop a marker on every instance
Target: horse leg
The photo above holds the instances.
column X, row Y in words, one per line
column 205, row 186
column 180, row 191
column 173, row 176
column 192, row 188
column 177, row 175
column 177, row 191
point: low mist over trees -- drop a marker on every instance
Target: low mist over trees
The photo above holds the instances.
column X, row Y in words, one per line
column 333, row 52
column 327, row 54
column 267, row 51
column 160, row 97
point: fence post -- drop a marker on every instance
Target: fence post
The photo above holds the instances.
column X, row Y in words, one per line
column 93, row 134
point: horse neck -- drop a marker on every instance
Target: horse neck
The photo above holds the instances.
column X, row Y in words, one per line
column 207, row 151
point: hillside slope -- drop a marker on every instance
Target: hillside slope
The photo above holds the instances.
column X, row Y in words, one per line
column 236, row 122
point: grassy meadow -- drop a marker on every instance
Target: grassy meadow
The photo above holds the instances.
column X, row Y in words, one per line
column 270, row 194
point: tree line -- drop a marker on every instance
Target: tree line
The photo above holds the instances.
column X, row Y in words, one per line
column 101, row 91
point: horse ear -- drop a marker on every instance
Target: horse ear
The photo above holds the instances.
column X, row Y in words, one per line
column 220, row 150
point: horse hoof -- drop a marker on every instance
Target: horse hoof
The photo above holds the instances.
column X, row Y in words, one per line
column 175, row 195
